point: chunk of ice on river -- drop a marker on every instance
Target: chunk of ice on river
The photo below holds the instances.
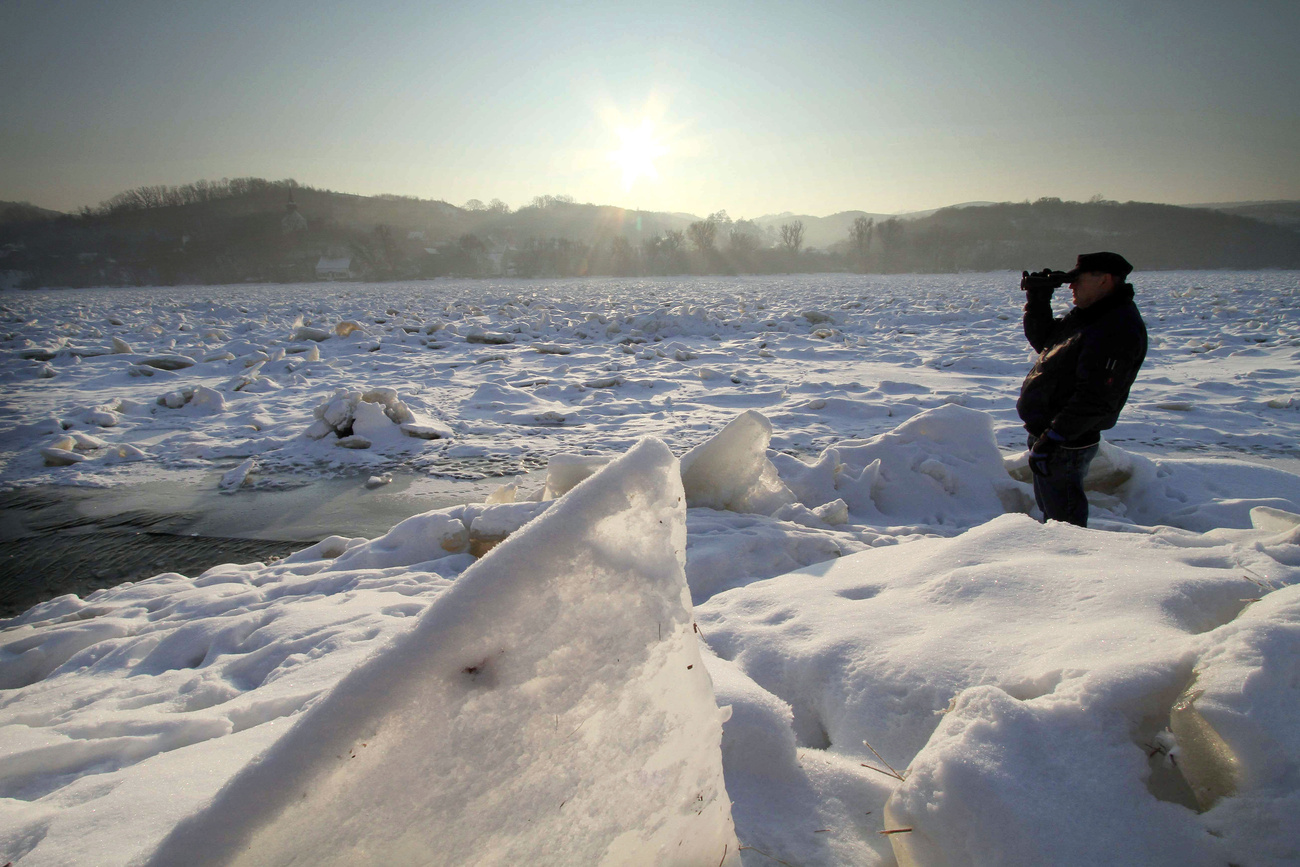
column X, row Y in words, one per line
column 551, row 705
column 57, row 457
column 731, row 471
column 373, row 423
column 122, row 452
column 812, row 484
column 82, row 441
column 417, row 539
column 307, row 332
column 1044, row 756
column 168, row 362
column 207, row 401
column 564, row 472
column 101, row 416
column 201, row 400
column 552, row 348
column 348, row 326
column 505, row 493
column 1276, row 520
column 233, row 479
column 491, row 524
column 374, row 415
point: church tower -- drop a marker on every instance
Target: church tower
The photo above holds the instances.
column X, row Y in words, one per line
column 292, row 221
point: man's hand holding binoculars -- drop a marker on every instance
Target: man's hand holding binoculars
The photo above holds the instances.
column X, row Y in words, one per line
column 1045, row 280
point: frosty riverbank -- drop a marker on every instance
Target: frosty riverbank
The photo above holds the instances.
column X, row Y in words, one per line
column 855, row 553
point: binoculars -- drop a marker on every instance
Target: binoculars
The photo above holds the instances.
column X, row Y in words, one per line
column 1044, row 279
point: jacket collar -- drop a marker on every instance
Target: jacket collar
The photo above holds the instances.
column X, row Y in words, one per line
column 1121, row 297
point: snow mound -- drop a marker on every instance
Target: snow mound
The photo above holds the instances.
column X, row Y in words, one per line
column 1020, row 673
column 376, row 417
column 339, row 411
column 1199, row 494
column 1001, row 772
column 418, row 539
column 199, row 399
column 507, row 404
column 1238, row 743
column 939, row 468
column 551, row 701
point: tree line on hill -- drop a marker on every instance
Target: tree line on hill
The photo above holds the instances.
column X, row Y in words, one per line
column 254, row 230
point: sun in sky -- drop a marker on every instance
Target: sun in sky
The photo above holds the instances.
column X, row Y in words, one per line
column 636, row 156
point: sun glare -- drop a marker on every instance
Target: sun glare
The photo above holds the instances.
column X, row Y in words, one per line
column 637, row 154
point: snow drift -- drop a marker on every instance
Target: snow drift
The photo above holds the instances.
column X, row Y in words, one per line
column 1018, row 674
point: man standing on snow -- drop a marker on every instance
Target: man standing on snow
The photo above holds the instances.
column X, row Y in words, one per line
column 1087, row 362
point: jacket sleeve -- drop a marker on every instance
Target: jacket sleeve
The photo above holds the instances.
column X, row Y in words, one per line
column 1040, row 325
column 1106, row 368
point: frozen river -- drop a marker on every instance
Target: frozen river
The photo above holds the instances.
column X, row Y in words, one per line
column 513, row 372
column 840, row 533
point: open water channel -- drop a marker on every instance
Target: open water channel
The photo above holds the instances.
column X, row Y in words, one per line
column 57, row 539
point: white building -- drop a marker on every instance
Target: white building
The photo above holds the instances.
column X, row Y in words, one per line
column 334, row 269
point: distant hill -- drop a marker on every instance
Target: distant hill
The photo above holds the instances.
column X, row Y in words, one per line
column 254, row 229
column 824, row 232
column 24, row 212
column 820, row 232
column 250, row 229
column 1280, row 213
column 578, row 222
column 1051, row 232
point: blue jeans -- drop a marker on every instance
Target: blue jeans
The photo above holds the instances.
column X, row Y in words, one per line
column 1060, row 493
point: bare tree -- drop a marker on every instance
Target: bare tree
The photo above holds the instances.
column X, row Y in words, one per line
column 891, row 237
column 860, row 237
column 742, row 242
column 703, row 234
column 541, row 202
column 861, row 232
column 666, row 255
column 792, row 236
column 622, row 256
column 742, row 247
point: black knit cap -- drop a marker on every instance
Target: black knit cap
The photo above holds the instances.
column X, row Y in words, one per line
column 1101, row 263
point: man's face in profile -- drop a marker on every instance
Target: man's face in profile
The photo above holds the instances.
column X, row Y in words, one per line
column 1090, row 287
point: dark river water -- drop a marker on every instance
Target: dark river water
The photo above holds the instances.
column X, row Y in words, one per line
column 58, row 539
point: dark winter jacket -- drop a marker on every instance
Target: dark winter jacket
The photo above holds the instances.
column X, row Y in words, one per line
column 1087, row 362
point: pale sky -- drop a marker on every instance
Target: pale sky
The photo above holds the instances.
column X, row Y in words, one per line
column 753, row 106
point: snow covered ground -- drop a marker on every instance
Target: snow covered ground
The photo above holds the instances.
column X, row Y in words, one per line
column 839, row 534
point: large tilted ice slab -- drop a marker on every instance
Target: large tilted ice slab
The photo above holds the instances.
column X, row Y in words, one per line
column 731, row 470
column 551, row 707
